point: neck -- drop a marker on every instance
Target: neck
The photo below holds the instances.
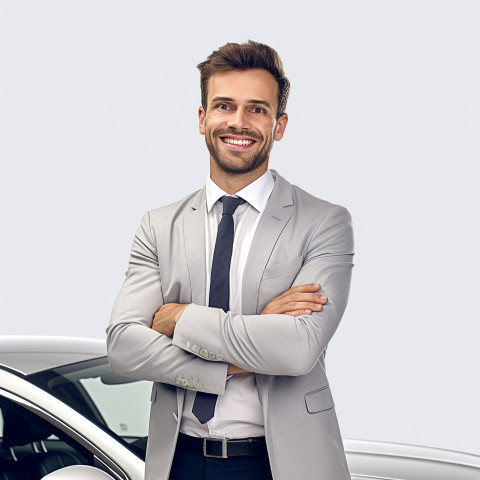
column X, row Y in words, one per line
column 232, row 183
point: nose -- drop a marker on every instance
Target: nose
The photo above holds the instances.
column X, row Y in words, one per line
column 239, row 120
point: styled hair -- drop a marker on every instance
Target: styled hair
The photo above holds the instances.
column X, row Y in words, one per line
column 245, row 56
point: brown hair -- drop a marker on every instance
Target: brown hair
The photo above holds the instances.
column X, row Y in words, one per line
column 244, row 57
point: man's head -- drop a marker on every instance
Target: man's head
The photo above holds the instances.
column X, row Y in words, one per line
column 244, row 94
column 245, row 56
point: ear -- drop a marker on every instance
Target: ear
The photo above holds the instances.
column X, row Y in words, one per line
column 201, row 120
column 280, row 127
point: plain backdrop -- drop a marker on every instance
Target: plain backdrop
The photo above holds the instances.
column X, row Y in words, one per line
column 99, row 124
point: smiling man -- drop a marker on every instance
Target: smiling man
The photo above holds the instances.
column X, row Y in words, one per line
column 232, row 295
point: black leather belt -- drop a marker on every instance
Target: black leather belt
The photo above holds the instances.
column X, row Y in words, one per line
column 222, row 447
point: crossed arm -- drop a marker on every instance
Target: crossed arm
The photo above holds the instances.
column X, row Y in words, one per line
column 298, row 300
column 286, row 339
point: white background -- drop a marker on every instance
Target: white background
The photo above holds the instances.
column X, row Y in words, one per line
column 101, row 125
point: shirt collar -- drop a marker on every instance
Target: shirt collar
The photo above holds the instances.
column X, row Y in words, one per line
column 255, row 193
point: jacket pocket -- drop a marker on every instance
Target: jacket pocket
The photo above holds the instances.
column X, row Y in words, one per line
column 283, row 268
column 319, row 400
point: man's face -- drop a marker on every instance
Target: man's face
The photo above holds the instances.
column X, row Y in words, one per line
column 240, row 123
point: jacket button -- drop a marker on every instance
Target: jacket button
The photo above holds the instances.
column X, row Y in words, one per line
column 211, row 355
column 197, row 385
column 191, row 384
column 196, row 349
column 204, row 353
column 178, row 381
column 184, row 382
column 219, row 357
column 187, row 343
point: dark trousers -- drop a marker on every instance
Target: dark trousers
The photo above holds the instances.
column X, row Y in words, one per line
column 190, row 466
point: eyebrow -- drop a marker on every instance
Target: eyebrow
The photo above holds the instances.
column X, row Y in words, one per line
column 252, row 101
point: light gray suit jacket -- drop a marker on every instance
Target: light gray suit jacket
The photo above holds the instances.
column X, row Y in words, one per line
column 300, row 239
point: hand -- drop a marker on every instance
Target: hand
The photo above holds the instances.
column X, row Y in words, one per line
column 233, row 370
column 167, row 317
column 299, row 300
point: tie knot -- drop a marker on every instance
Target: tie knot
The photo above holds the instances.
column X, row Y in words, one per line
column 230, row 204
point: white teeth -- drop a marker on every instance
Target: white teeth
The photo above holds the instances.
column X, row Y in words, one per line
column 233, row 141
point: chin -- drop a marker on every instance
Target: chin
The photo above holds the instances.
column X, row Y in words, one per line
column 238, row 167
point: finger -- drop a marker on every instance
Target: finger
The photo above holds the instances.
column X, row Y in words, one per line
column 316, row 307
column 306, row 297
column 296, row 313
column 306, row 288
column 294, row 306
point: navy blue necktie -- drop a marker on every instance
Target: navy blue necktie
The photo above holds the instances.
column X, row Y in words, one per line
column 204, row 404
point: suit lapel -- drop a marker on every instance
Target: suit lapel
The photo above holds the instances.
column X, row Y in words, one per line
column 278, row 211
column 194, row 231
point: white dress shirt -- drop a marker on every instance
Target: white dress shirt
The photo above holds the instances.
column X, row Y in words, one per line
column 238, row 412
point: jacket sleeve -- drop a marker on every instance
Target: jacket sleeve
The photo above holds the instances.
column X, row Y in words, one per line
column 281, row 344
column 135, row 349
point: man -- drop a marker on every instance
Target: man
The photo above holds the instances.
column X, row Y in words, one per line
column 234, row 335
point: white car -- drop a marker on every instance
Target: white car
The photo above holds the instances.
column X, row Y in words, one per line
column 66, row 416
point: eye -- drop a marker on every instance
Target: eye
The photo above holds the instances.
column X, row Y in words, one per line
column 222, row 106
column 258, row 110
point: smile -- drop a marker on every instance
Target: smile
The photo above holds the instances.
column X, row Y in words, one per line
column 237, row 142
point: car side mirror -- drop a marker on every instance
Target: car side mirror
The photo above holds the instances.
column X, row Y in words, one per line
column 78, row 472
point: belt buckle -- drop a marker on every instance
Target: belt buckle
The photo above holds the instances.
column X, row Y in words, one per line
column 224, row 447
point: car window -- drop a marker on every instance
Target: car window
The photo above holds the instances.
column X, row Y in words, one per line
column 119, row 405
column 30, row 446
column 124, row 406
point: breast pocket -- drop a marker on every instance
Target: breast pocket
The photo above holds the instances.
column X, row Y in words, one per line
column 319, row 400
column 290, row 268
column 276, row 280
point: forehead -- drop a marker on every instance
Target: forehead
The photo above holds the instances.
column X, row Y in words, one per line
column 243, row 85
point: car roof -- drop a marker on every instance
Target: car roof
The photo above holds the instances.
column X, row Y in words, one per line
column 27, row 354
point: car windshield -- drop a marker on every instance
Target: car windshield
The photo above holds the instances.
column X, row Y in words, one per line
column 119, row 405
